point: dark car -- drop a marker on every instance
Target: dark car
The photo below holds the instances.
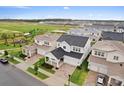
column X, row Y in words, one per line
column 4, row 61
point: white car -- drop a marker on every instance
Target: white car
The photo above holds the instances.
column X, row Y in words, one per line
column 100, row 80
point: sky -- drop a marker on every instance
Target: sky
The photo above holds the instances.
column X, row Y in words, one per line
column 68, row 12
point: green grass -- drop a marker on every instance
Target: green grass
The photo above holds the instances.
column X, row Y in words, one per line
column 40, row 65
column 39, row 75
column 13, row 61
column 79, row 75
column 10, row 46
column 26, row 27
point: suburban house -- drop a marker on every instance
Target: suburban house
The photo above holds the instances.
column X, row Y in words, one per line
column 120, row 28
column 70, row 49
column 107, row 58
column 29, row 50
column 93, row 34
column 102, row 27
column 42, row 45
column 113, row 36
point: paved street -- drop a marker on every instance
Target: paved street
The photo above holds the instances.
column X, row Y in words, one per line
column 12, row 76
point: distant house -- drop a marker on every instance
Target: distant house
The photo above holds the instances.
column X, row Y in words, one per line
column 120, row 29
column 102, row 27
column 107, row 58
column 70, row 49
column 42, row 45
column 113, row 36
column 29, row 50
column 91, row 33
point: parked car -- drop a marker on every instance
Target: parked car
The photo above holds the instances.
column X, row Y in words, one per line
column 4, row 61
column 101, row 80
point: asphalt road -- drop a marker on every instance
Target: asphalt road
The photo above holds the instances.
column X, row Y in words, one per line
column 12, row 76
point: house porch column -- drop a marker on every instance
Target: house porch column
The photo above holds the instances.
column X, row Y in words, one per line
column 109, row 81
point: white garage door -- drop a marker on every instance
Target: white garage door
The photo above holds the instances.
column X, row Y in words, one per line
column 103, row 70
column 92, row 67
column 41, row 52
column 71, row 61
column 97, row 67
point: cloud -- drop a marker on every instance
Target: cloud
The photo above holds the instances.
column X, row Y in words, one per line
column 66, row 8
column 23, row 7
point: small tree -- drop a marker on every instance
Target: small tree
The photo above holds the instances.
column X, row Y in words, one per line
column 36, row 69
column 5, row 37
column 13, row 38
column 5, row 53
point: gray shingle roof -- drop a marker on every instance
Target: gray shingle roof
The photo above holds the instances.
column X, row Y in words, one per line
column 113, row 36
column 73, row 40
column 59, row 53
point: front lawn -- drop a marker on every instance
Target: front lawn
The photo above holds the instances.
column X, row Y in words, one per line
column 41, row 64
column 79, row 75
column 17, row 53
column 13, row 61
column 39, row 75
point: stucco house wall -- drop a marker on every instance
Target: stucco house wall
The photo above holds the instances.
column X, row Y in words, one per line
column 115, row 53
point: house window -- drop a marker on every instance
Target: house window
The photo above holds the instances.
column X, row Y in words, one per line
column 102, row 54
column 75, row 49
column 115, row 57
column 95, row 52
column 64, row 47
column 46, row 43
column 58, row 44
column 99, row 53
column 37, row 41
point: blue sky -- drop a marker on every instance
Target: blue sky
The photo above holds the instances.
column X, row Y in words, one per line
column 73, row 12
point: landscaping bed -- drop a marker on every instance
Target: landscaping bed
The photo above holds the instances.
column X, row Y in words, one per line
column 79, row 75
column 47, row 67
column 41, row 64
column 39, row 75
column 13, row 61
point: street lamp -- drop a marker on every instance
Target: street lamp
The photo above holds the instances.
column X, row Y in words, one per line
column 69, row 79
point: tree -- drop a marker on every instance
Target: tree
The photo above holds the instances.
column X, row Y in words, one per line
column 13, row 38
column 6, row 53
column 36, row 69
column 5, row 37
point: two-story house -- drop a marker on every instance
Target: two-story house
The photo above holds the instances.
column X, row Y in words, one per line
column 114, row 36
column 42, row 45
column 70, row 49
column 92, row 33
column 107, row 58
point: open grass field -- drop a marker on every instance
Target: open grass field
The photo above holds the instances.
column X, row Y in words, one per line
column 25, row 27
column 28, row 26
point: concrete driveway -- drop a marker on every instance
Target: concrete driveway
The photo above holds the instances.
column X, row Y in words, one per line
column 29, row 62
column 33, row 59
column 61, row 75
column 91, row 79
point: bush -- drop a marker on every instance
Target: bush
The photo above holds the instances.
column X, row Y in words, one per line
column 79, row 67
column 6, row 53
column 47, row 66
column 22, row 55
